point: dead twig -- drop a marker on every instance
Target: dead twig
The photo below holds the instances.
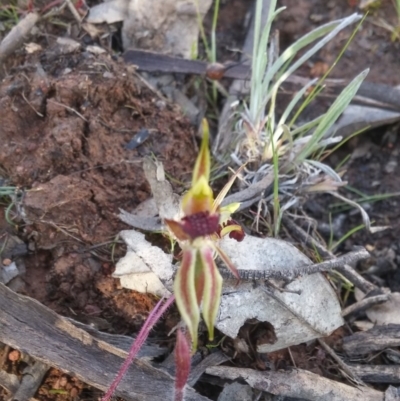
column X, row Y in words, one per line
column 151, row 87
column 9, row 382
column 345, row 368
column 365, row 304
column 31, row 380
column 74, row 11
column 378, row 373
column 290, row 274
column 376, row 339
column 346, row 270
column 216, row 358
column 16, row 37
column 29, row 104
column 297, row 384
column 297, row 232
column 68, row 108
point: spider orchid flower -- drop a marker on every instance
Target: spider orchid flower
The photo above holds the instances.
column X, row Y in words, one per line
column 198, row 283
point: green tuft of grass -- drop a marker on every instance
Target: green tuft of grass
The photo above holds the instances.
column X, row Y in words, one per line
column 292, row 152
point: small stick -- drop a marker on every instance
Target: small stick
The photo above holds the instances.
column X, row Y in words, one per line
column 364, row 304
column 152, row 88
column 297, row 383
column 17, row 36
column 68, row 108
column 360, row 282
column 291, row 274
column 346, row 270
column 31, row 380
column 27, row 101
column 74, row 11
column 305, row 237
column 9, row 382
column 343, row 366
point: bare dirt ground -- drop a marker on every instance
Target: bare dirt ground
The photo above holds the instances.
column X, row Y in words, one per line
column 64, row 137
column 66, row 125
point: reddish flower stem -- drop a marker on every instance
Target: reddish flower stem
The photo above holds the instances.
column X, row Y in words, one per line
column 152, row 319
column 182, row 363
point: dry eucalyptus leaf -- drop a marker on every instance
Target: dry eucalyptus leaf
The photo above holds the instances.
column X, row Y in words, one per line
column 144, row 268
column 164, row 203
column 386, row 313
column 169, row 26
column 143, row 216
column 32, row 47
column 295, row 318
column 7, row 273
column 168, row 203
column 109, row 12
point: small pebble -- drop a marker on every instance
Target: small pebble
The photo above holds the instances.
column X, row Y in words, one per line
column 160, row 104
column 7, row 262
column 391, row 166
column 316, row 17
column 14, row 356
column 108, row 75
column 56, row 384
column 63, row 381
column 74, row 392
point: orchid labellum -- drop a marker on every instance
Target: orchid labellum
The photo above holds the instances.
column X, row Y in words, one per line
column 198, row 283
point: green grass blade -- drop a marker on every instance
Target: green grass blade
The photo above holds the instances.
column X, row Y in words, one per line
column 331, row 116
column 290, row 108
column 307, row 126
column 327, row 31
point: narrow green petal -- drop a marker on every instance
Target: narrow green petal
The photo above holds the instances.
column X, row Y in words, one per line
column 226, row 211
column 202, row 166
column 199, row 280
column 185, row 293
column 231, row 208
column 226, row 259
column 226, row 188
column 212, row 289
column 228, row 229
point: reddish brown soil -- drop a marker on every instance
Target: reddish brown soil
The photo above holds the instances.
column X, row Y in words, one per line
column 72, row 157
column 65, row 121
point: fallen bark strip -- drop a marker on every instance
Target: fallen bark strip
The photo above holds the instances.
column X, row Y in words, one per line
column 376, row 339
column 216, row 358
column 298, row 384
column 389, row 374
column 157, row 62
column 31, row 380
column 9, row 381
column 27, row 325
column 121, row 342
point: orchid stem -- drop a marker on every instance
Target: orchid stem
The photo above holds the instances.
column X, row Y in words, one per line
column 152, row 319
